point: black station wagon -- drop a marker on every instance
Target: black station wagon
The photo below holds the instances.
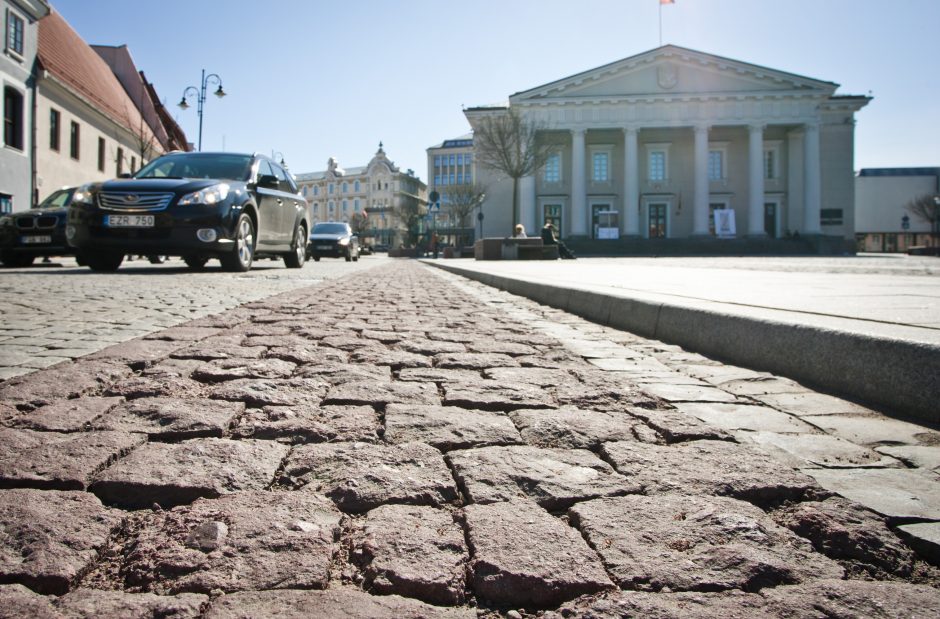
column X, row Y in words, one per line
column 233, row 207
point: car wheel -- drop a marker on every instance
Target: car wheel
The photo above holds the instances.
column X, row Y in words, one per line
column 348, row 255
column 241, row 255
column 196, row 263
column 356, row 257
column 15, row 261
column 298, row 256
column 156, row 259
column 104, row 262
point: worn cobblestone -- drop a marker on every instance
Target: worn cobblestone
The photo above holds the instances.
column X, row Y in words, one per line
column 416, row 445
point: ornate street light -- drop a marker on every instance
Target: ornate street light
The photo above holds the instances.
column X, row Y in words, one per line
column 200, row 94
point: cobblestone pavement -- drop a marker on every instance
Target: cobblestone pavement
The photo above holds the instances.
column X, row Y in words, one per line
column 405, row 443
column 52, row 313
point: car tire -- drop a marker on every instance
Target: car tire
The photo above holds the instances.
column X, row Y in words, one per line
column 196, row 263
column 316, row 258
column 16, row 261
column 298, row 256
column 239, row 259
column 348, row 255
column 154, row 259
column 104, row 262
column 356, row 257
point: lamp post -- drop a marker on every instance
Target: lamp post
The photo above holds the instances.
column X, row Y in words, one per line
column 274, row 155
column 201, row 96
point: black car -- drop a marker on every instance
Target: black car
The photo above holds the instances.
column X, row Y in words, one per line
column 38, row 232
column 234, row 207
column 334, row 239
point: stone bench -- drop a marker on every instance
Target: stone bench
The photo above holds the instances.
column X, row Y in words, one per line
column 530, row 248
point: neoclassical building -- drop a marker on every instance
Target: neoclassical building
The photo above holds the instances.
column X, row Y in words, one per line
column 652, row 145
column 378, row 190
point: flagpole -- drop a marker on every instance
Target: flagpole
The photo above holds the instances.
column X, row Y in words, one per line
column 660, row 24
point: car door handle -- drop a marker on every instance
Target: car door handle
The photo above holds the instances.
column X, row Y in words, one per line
column 280, row 202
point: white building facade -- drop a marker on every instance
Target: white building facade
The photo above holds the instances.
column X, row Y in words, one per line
column 882, row 222
column 649, row 147
column 376, row 192
column 450, row 165
column 20, row 19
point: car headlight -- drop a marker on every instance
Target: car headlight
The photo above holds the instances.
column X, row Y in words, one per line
column 83, row 194
column 209, row 195
column 344, row 241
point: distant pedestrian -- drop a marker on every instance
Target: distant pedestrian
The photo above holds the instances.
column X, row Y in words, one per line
column 549, row 238
column 519, row 232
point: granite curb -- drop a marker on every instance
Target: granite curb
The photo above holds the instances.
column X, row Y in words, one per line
column 842, row 362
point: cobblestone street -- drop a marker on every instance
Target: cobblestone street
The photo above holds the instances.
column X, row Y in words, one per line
column 403, row 442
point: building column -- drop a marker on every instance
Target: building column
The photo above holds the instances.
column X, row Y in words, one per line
column 755, row 213
column 811, row 179
column 700, row 203
column 527, row 215
column 578, row 185
column 631, row 183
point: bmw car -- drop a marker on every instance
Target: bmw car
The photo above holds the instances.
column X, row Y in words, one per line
column 200, row 206
column 38, row 232
column 334, row 239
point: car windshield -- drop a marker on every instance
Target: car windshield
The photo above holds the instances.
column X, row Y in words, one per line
column 198, row 165
column 330, row 229
column 57, row 199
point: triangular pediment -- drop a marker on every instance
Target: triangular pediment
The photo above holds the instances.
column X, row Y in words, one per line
column 675, row 71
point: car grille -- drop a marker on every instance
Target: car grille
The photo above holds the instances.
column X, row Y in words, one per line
column 125, row 200
column 29, row 222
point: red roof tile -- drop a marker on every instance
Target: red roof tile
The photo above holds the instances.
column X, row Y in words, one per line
column 73, row 62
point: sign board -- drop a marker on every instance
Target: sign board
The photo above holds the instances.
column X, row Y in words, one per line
column 724, row 223
column 434, row 196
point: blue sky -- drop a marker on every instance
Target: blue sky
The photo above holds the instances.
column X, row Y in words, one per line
column 311, row 79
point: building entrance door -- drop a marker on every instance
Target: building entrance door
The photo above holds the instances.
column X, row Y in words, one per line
column 770, row 219
column 657, row 220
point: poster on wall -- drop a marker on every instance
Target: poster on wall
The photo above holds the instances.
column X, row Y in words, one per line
column 724, row 223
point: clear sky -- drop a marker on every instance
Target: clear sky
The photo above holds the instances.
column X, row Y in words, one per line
column 311, row 79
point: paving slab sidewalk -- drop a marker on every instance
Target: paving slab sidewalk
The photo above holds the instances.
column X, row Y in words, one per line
column 520, row 467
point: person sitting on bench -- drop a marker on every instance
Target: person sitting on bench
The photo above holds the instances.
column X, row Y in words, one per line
column 549, row 238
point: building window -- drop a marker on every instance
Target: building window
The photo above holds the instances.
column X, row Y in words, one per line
column 552, row 171
column 15, row 30
column 330, row 189
column 770, row 164
column 13, row 118
column 437, row 179
column 468, row 178
column 600, row 172
column 830, row 216
column 303, row 191
column 120, row 161
column 657, row 165
column 74, row 136
column 356, row 186
column 101, row 150
column 356, row 205
column 716, row 167
column 316, row 190
column 55, row 125
column 345, row 187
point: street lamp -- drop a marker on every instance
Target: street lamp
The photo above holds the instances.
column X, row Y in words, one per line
column 201, row 96
column 274, row 155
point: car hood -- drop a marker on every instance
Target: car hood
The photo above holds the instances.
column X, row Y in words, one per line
column 328, row 237
column 60, row 211
column 178, row 185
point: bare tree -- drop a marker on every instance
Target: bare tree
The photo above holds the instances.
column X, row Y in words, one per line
column 509, row 144
column 359, row 222
column 410, row 210
column 926, row 208
column 462, row 199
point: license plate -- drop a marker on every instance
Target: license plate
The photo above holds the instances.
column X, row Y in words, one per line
column 129, row 221
column 36, row 240
column 324, row 247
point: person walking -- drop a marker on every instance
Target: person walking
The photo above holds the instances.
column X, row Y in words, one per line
column 549, row 238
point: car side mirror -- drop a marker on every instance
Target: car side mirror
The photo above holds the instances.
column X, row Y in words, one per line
column 268, row 181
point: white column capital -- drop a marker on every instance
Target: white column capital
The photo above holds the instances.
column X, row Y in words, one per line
column 578, row 131
column 630, row 130
column 701, row 128
column 755, row 127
